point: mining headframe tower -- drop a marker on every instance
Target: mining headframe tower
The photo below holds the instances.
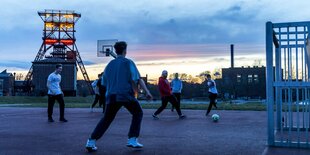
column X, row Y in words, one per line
column 59, row 40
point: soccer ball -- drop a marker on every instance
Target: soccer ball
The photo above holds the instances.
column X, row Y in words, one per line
column 215, row 117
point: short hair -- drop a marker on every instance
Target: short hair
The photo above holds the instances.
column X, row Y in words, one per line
column 164, row 72
column 120, row 46
column 100, row 74
column 58, row 65
column 208, row 75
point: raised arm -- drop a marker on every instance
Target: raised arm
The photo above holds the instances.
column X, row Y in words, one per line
column 143, row 86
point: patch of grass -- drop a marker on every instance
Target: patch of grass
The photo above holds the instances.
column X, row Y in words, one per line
column 30, row 101
column 85, row 102
column 34, row 99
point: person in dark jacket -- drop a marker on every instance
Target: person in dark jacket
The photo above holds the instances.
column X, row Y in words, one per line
column 166, row 96
column 96, row 90
column 102, row 92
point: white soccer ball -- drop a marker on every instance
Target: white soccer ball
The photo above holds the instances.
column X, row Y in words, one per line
column 215, row 117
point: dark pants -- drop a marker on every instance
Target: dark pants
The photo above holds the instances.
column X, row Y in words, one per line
column 178, row 97
column 212, row 98
column 111, row 110
column 96, row 100
column 164, row 102
column 101, row 99
column 102, row 102
column 51, row 102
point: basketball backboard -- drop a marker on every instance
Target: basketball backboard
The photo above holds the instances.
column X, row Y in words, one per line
column 105, row 48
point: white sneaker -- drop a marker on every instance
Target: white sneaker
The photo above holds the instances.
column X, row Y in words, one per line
column 91, row 145
column 133, row 142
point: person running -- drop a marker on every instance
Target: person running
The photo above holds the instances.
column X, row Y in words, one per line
column 120, row 77
column 95, row 86
column 212, row 93
column 176, row 85
column 166, row 96
column 55, row 93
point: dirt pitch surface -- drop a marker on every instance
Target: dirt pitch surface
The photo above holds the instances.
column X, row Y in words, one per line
column 25, row 131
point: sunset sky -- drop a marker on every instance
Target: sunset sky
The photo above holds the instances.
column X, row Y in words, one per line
column 175, row 35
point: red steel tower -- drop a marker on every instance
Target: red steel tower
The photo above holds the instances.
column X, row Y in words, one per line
column 59, row 39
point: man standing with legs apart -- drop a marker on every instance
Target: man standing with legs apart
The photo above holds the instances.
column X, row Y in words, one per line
column 166, row 96
column 176, row 85
column 212, row 93
column 55, row 93
column 120, row 77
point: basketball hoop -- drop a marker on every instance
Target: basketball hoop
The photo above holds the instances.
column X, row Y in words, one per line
column 105, row 48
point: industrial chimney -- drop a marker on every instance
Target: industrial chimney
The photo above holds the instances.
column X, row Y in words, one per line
column 232, row 55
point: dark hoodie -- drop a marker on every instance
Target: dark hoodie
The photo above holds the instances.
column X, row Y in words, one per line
column 164, row 87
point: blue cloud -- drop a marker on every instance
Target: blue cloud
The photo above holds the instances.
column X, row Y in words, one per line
column 86, row 62
column 17, row 64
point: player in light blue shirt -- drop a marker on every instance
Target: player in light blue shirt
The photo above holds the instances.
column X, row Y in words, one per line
column 55, row 93
column 121, row 78
column 176, row 86
column 212, row 93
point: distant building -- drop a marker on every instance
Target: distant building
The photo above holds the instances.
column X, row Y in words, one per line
column 6, row 83
column 43, row 68
column 82, row 89
column 19, row 88
column 60, row 42
column 243, row 82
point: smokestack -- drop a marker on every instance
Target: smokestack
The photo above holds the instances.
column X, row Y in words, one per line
column 232, row 55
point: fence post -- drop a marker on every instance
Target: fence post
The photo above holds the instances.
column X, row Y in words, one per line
column 269, row 82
